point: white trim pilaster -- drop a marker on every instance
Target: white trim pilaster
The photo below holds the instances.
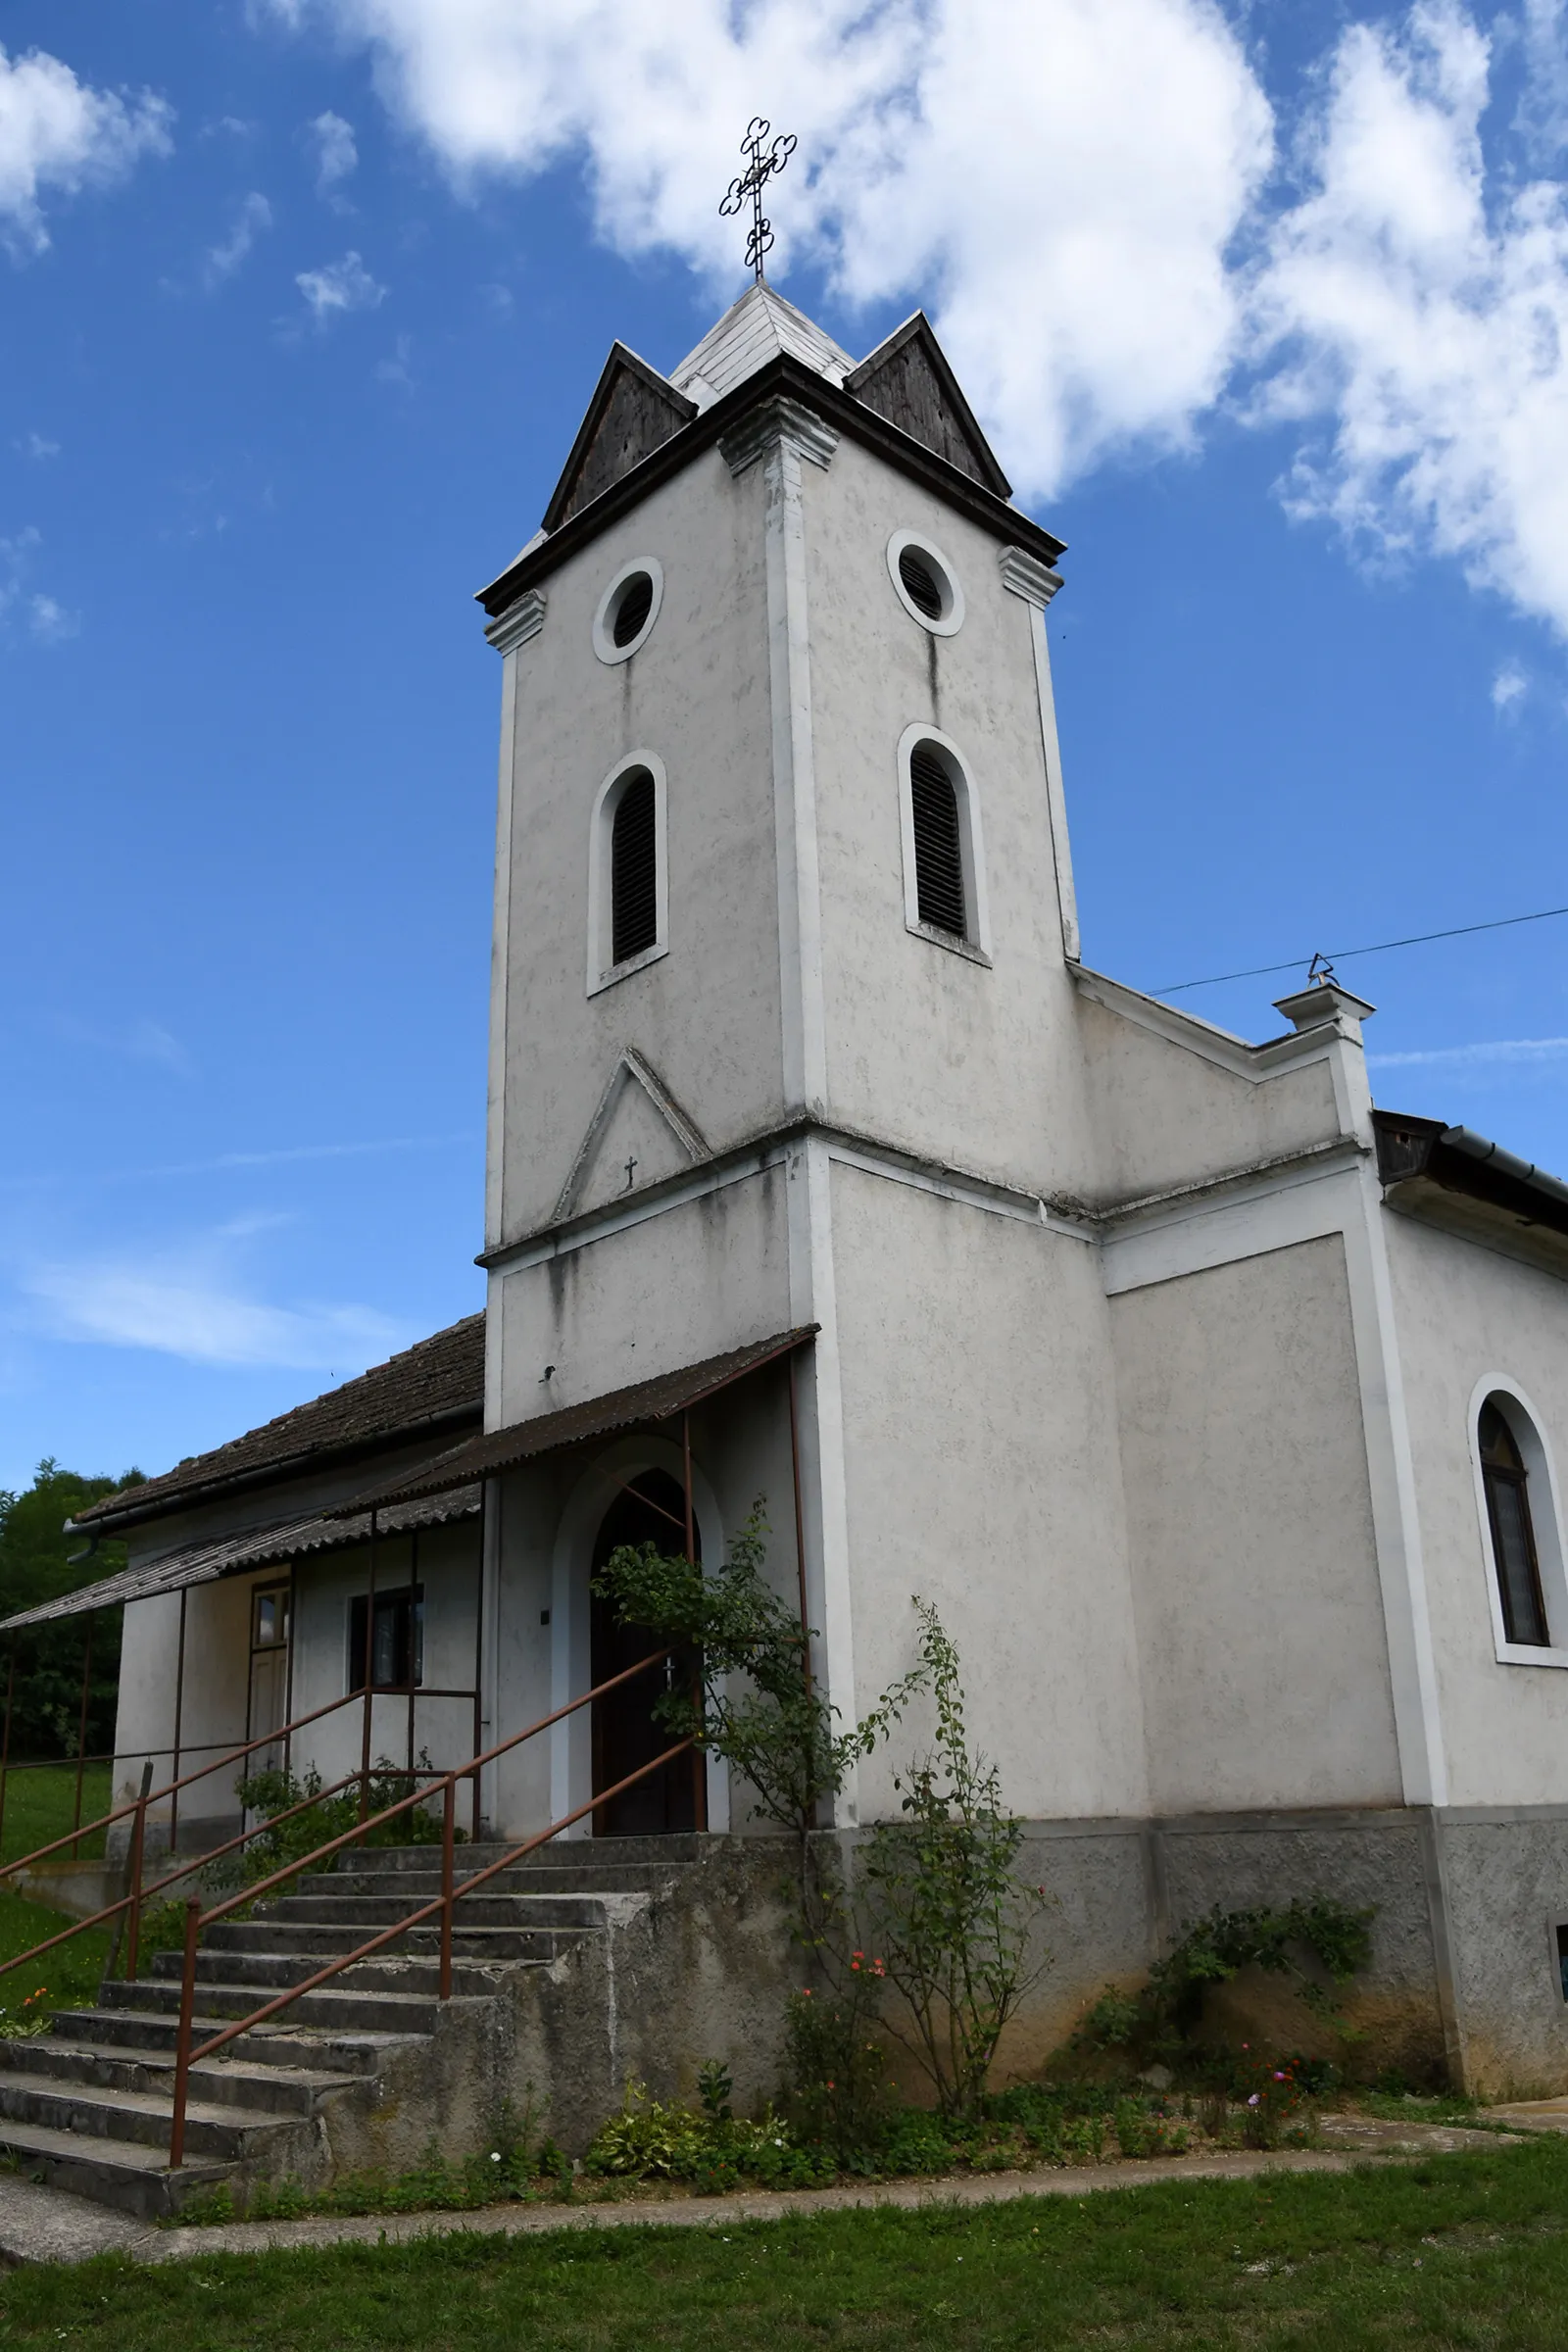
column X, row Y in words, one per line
column 1023, row 576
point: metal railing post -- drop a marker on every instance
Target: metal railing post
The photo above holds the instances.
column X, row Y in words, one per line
column 187, row 2014
column 5, row 1743
column 138, row 1843
column 370, row 1680
column 449, row 1821
column 179, row 1726
column 81, row 1733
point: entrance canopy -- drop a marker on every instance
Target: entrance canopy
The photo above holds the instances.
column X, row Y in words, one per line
column 624, row 1408
column 258, row 1548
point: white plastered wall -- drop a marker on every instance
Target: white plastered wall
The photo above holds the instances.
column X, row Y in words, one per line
column 979, row 1416
column 1470, row 1318
column 696, row 694
column 966, row 1065
column 1260, row 1621
column 217, row 1627
column 549, row 1516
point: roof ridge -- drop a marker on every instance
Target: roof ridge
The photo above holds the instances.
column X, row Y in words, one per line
column 436, row 1378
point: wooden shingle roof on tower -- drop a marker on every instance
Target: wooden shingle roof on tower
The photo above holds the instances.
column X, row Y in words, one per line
column 903, row 402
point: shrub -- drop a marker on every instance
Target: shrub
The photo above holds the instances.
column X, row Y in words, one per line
column 955, row 1920
column 1159, row 2021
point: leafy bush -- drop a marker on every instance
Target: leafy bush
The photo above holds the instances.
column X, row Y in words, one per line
column 1158, row 2022
column 955, row 1920
column 270, row 1793
column 837, row 2092
column 711, row 2148
column 776, row 1728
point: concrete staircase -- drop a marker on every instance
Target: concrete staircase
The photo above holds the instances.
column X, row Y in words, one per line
column 87, row 2107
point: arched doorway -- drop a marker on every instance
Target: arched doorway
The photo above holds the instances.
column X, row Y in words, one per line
column 650, row 1509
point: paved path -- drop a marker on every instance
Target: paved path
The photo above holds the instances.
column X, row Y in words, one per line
column 44, row 2224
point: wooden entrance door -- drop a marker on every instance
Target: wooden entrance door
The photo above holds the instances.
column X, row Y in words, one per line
column 652, row 1510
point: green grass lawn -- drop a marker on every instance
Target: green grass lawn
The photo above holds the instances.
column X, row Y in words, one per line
column 1460, row 2251
column 71, row 1973
column 41, row 1806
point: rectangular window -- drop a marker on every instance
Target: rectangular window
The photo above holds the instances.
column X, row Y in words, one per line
column 269, row 1617
column 398, row 1657
column 1563, row 1958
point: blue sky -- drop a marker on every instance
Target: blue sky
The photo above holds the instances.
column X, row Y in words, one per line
column 303, row 302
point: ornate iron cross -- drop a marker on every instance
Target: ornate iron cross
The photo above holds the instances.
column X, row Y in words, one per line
column 765, row 162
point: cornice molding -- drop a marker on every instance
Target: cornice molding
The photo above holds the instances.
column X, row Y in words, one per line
column 517, row 623
column 778, row 421
column 840, row 411
column 1026, row 576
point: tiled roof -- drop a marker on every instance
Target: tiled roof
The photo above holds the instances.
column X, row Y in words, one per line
column 437, row 1384
column 752, row 331
column 204, row 1563
column 595, row 1417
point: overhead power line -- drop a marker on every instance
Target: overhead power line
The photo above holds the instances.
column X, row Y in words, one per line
column 1418, row 939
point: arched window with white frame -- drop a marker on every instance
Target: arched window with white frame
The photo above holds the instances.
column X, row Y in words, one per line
column 628, row 873
column 945, row 898
column 1517, row 1496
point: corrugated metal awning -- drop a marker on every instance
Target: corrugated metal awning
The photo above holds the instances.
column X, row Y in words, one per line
column 258, row 1548
column 648, row 1401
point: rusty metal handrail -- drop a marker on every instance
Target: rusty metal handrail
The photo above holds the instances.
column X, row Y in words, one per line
column 154, row 1796
column 137, row 1894
column 445, row 1902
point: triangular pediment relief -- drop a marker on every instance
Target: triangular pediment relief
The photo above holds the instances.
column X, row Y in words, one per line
column 637, row 1136
column 632, row 410
column 908, row 380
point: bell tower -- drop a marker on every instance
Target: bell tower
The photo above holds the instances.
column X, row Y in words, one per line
column 783, row 1038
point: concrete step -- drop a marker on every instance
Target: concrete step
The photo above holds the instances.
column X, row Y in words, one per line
column 322, row 1942
column 267, row 1972
column 416, row 1884
column 221, row 2131
column 581, row 1856
column 286, row 2091
column 505, row 1908
column 153, row 2034
column 124, row 2173
column 344, row 2005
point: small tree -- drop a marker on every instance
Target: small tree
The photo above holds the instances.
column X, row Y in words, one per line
column 775, row 1729
column 954, row 1922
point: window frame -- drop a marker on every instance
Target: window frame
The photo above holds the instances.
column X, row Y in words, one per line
column 946, row 624
column 603, row 971
column 409, row 1599
column 1545, row 1522
column 604, row 646
column 975, row 945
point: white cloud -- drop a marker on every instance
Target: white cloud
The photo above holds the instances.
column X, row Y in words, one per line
column 1419, row 305
column 189, row 1303
column 27, row 611
column 1083, row 193
column 338, row 287
column 34, row 445
column 253, row 216
column 1058, row 178
column 1500, row 1051
column 56, row 132
column 336, row 155
column 1508, row 687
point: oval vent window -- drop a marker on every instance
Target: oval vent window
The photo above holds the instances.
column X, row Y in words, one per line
column 920, row 582
column 632, row 607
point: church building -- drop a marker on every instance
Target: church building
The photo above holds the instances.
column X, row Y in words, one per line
column 1218, row 1410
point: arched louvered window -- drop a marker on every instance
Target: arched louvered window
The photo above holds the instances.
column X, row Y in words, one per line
column 1506, row 1482
column 634, row 870
column 943, row 875
column 938, row 842
column 628, row 896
